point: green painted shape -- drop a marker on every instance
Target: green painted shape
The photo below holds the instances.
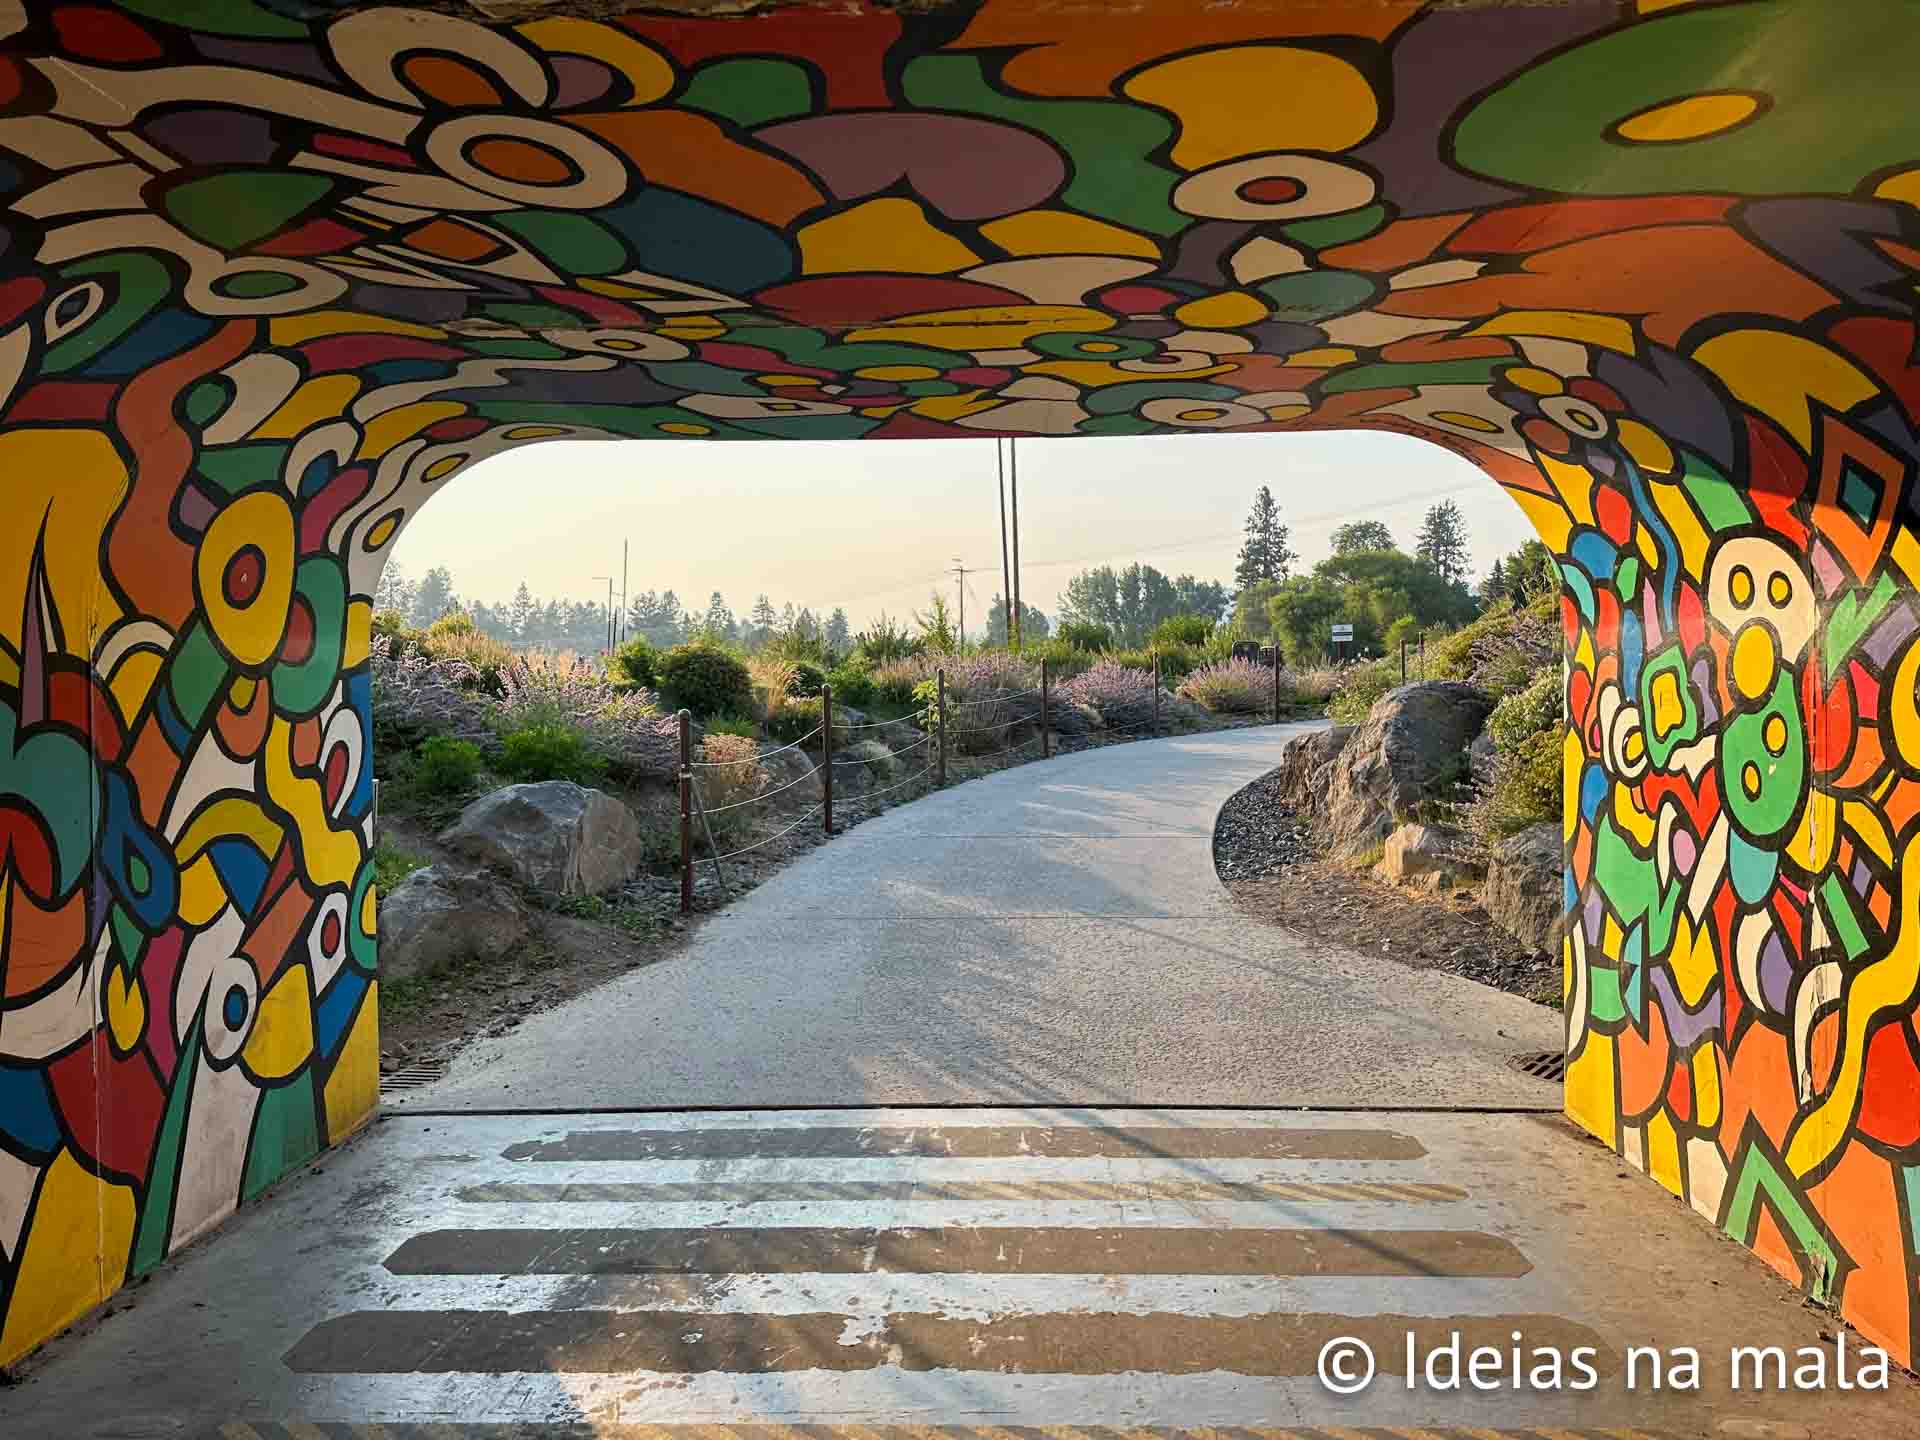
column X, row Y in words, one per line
column 1631, row 884
column 1109, row 142
column 128, row 943
column 1328, row 230
column 1125, row 399
column 639, row 421
column 286, row 1133
column 238, row 208
column 1843, row 917
column 1910, row 1179
column 299, row 690
column 207, row 401
column 1605, row 1004
column 156, row 1205
column 221, row 17
column 803, row 346
column 1548, row 127
column 1853, row 615
column 1626, row 579
column 49, row 774
column 750, row 92
column 698, row 377
column 1410, row 377
column 237, row 469
column 1759, row 1175
column 140, row 285
column 255, row 285
column 1574, row 580
column 195, row 673
column 1783, row 777
column 1719, row 504
column 573, row 244
column 1316, row 295
column 519, row 349
column 1669, row 659
column 1120, row 425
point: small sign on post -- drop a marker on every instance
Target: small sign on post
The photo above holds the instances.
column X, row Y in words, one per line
column 1342, row 635
column 1343, row 632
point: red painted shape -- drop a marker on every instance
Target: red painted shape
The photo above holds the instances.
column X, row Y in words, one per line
column 1886, row 347
column 848, row 44
column 1888, row 1093
column 1680, row 1093
column 319, row 236
column 19, row 296
column 111, row 1106
column 600, row 308
column 64, row 400
column 461, row 427
column 1614, row 512
column 1595, row 393
column 1693, row 619
column 93, row 32
column 986, row 377
column 1776, row 480
column 354, row 352
column 319, row 513
column 11, row 83
column 372, row 152
column 1137, row 299
column 24, row 850
column 865, row 299
column 756, row 360
column 1525, row 229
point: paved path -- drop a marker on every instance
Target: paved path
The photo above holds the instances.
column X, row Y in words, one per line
column 956, row 1276
column 1051, row 934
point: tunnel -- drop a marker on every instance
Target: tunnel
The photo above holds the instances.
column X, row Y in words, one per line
column 273, row 273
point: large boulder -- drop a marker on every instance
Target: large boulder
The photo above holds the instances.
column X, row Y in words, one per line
column 1525, row 890
column 555, row 837
column 1305, row 774
column 1407, row 756
column 442, row 914
column 1433, row 857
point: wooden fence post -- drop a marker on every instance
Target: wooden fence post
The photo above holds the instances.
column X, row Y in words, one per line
column 826, row 755
column 1046, row 743
column 1153, row 657
column 940, row 721
column 686, row 812
column 1276, row 679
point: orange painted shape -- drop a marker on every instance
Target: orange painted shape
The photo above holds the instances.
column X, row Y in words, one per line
column 452, row 82
column 691, row 153
column 1859, row 1202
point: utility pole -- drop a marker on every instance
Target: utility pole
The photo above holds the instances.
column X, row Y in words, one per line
column 961, row 572
column 1013, row 475
column 1006, row 571
column 621, row 633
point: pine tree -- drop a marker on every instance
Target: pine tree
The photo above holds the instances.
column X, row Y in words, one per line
column 839, row 632
column 1494, row 588
column 525, row 613
column 1264, row 555
column 719, row 623
column 434, row 597
column 1442, row 542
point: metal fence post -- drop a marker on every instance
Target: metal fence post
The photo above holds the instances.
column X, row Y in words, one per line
column 686, row 812
column 826, row 754
column 940, row 721
column 1153, row 657
column 1046, row 744
column 1276, row 679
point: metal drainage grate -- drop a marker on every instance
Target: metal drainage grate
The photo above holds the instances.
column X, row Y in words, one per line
column 411, row 1077
column 1542, row 1064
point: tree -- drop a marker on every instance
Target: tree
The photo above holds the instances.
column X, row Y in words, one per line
column 936, row 626
column 1250, row 619
column 762, row 615
column 1201, row 597
column 524, row 614
column 434, row 598
column 1033, row 624
column 1362, row 535
column 395, row 590
column 1370, row 590
column 1529, row 573
column 839, row 633
column 1264, row 554
column 658, row 618
column 1442, row 542
column 718, row 623
column 1494, row 588
column 1132, row 601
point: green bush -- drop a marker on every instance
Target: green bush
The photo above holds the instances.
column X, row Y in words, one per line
column 447, row 767
column 391, row 865
column 1528, row 786
column 635, row 665
column 1528, row 712
column 808, row 679
column 705, row 679
column 885, row 641
column 454, row 622
column 741, row 725
column 852, row 686
column 794, row 719
column 1181, row 630
column 1360, row 688
column 550, row 752
column 1085, row 635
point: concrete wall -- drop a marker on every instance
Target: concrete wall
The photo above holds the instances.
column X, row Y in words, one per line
column 268, row 285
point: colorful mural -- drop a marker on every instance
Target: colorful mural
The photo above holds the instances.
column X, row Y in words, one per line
column 273, row 272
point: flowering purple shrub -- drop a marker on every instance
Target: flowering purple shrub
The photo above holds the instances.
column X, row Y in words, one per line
column 1231, row 687
column 1119, row 694
column 416, row 697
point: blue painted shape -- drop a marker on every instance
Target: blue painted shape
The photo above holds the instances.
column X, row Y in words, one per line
column 337, row 1007
column 242, row 869
column 28, row 1126
column 1576, row 583
column 1593, row 790
column 1633, row 960
column 1753, row 869
column 1633, row 650
column 401, row 372
column 679, row 235
column 1570, row 895
column 1595, row 554
column 159, row 337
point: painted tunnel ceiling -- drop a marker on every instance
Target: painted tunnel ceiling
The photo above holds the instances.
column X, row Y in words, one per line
column 271, row 274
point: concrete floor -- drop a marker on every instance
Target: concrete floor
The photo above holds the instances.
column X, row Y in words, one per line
column 1052, row 934
column 550, row 1275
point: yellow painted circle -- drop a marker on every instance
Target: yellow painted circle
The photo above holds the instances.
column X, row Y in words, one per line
column 369, row 905
column 382, row 532
column 1288, row 412
column 1693, row 118
column 1099, row 347
column 1226, row 311
column 1203, row 413
column 240, row 693
column 1779, row 588
column 680, row 427
column 1460, row 419
column 619, row 344
column 1750, row 780
column 528, row 432
column 897, row 372
column 440, row 469
column 1740, row 586
column 1754, row 662
column 249, row 626
column 1539, row 382
column 1635, row 747
column 1774, row 734
column 787, row 379
column 1649, row 451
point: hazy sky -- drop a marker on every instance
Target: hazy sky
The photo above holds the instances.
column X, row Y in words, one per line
column 873, row 525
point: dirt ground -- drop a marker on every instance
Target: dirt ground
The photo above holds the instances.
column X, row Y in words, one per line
column 1278, row 872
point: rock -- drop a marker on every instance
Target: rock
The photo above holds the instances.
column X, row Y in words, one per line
column 1435, row 856
column 867, row 766
column 555, row 837
column 1410, row 753
column 1525, row 890
column 1480, row 758
column 442, row 914
column 1306, row 768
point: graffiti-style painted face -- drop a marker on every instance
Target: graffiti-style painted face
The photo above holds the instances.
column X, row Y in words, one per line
column 272, row 276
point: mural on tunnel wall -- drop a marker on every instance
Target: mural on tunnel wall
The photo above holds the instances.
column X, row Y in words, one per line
column 270, row 277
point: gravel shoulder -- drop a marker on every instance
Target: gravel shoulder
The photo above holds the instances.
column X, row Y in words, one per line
column 1279, row 873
